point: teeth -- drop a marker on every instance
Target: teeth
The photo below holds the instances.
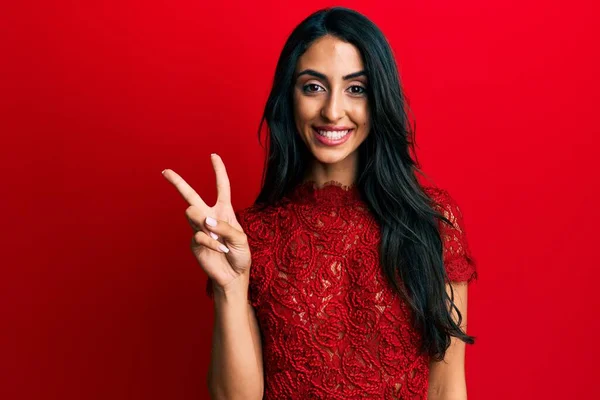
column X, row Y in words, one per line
column 333, row 135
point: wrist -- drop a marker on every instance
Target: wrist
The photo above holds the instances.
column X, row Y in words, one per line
column 237, row 289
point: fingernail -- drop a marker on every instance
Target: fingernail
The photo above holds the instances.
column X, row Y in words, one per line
column 211, row 221
column 213, row 235
column 223, row 248
column 163, row 171
column 213, row 154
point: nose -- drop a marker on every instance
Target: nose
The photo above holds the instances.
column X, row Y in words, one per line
column 333, row 108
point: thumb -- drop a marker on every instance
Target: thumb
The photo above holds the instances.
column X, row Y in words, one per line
column 223, row 229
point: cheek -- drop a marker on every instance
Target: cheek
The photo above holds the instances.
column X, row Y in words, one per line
column 361, row 116
column 304, row 110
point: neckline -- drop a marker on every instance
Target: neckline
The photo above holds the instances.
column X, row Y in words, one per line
column 331, row 192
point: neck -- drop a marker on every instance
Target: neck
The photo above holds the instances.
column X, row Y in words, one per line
column 343, row 171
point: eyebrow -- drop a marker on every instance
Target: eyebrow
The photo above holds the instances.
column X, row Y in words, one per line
column 319, row 75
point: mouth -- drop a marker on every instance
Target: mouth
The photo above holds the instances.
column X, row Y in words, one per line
column 332, row 137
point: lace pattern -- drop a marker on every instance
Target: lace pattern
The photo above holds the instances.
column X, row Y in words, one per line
column 332, row 326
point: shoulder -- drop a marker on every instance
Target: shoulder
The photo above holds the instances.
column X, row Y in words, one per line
column 444, row 203
column 450, row 217
column 255, row 212
column 458, row 260
column 438, row 195
column 259, row 223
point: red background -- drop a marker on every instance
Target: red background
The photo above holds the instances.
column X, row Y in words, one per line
column 101, row 297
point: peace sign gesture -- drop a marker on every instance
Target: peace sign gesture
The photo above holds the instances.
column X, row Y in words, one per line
column 219, row 243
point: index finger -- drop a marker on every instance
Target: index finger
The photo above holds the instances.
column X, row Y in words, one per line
column 184, row 189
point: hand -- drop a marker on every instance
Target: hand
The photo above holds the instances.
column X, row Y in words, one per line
column 222, row 250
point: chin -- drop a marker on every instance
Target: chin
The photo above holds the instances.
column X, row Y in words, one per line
column 328, row 156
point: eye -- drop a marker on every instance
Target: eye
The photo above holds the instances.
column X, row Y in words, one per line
column 356, row 89
column 311, row 88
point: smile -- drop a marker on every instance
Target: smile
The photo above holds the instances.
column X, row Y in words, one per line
column 334, row 135
column 332, row 138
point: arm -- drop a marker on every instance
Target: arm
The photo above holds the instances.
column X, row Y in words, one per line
column 447, row 377
column 236, row 366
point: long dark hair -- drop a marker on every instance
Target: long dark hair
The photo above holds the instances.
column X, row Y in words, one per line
column 411, row 244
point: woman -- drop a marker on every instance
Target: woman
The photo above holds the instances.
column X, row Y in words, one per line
column 355, row 273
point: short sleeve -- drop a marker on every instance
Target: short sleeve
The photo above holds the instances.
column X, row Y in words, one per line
column 458, row 260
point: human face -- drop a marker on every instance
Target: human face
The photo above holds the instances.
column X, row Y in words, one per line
column 330, row 95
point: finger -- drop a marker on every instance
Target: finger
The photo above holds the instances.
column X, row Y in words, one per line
column 195, row 223
column 196, row 217
column 223, row 187
column 201, row 239
column 184, row 189
column 231, row 235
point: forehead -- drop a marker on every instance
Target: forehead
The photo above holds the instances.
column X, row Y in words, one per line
column 331, row 56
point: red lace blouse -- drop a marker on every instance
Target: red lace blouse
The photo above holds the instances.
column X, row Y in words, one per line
column 331, row 325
